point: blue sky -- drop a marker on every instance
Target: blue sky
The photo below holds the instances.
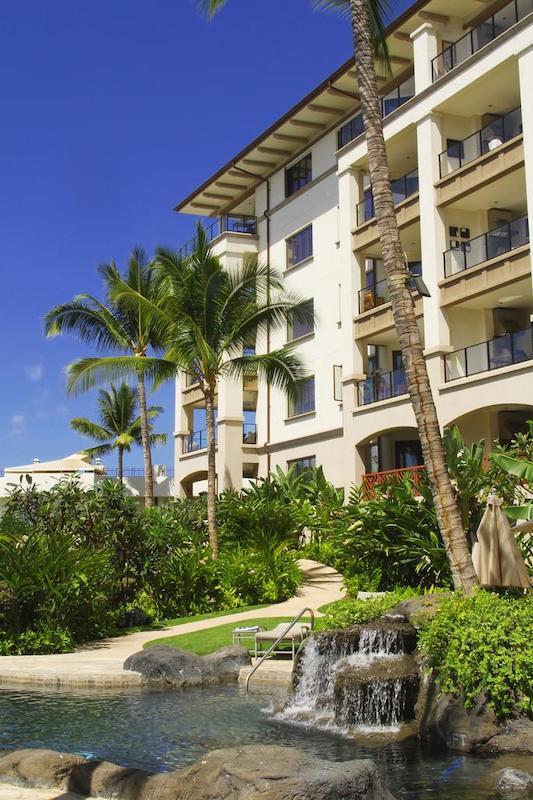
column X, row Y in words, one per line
column 112, row 111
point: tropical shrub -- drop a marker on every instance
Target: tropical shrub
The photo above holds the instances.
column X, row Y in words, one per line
column 351, row 611
column 246, row 577
column 482, row 644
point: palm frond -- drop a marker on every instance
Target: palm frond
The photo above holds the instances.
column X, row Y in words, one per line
column 86, row 373
column 282, row 368
column 91, row 429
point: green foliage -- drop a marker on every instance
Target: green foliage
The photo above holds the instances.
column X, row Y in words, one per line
column 482, row 644
column 245, row 577
column 344, row 613
column 43, row 639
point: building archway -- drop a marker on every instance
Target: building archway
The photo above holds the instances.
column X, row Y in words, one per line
column 194, row 485
column 493, row 423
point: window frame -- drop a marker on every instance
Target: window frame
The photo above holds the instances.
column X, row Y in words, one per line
column 289, row 243
column 306, row 174
column 290, row 323
column 298, row 461
column 293, row 411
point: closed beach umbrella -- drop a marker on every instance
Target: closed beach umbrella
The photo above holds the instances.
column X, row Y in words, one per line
column 496, row 555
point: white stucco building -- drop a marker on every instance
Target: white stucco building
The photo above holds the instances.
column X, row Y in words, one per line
column 458, row 121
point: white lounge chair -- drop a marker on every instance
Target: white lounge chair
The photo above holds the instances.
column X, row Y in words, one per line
column 295, row 636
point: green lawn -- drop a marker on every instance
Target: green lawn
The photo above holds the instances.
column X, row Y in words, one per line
column 169, row 623
column 211, row 639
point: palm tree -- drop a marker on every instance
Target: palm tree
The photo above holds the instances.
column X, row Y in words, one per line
column 208, row 315
column 125, row 331
column 368, row 29
column 119, row 425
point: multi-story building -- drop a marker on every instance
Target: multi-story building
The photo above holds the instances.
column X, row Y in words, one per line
column 458, row 121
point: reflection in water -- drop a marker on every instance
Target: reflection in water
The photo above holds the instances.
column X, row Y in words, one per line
column 159, row 731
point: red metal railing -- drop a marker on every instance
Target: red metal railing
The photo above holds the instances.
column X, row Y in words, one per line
column 373, row 479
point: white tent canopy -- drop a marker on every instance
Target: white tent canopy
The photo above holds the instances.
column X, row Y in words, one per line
column 77, row 462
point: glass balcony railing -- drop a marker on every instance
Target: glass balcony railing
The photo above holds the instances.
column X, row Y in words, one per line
column 197, row 440
column 502, row 351
column 381, row 386
column 461, row 152
column 402, row 188
column 489, row 245
column 249, row 433
column 377, row 294
column 229, row 223
column 479, row 36
column 389, row 103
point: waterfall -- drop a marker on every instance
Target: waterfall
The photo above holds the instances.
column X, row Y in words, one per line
column 365, row 678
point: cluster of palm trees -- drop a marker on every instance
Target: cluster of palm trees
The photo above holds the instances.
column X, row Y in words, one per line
column 168, row 315
column 367, row 19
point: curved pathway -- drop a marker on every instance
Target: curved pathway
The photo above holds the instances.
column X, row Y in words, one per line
column 99, row 665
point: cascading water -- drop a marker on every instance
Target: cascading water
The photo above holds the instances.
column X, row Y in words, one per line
column 361, row 679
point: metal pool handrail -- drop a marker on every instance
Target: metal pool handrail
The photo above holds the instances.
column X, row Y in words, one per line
column 278, row 640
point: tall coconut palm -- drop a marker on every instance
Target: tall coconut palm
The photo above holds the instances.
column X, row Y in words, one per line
column 368, row 29
column 208, row 315
column 119, row 426
column 124, row 331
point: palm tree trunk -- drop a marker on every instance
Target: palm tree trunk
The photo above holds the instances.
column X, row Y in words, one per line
column 211, row 473
column 403, row 308
column 145, row 435
column 120, row 466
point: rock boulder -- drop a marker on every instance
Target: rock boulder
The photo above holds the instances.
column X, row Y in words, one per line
column 166, row 666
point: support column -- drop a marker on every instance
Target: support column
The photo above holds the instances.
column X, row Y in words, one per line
column 425, row 48
column 230, row 420
column 181, row 429
column 525, row 72
column 432, row 247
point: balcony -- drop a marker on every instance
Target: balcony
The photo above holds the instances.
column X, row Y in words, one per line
column 492, row 244
column 461, row 152
column 377, row 294
column 197, row 440
column 229, row 223
column 389, row 103
column 478, row 37
column 502, row 351
column 382, row 386
column 417, row 475
column 402, row 188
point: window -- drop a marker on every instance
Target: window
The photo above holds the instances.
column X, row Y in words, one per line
column 302, row 465
column 337, row 383
column 300, row 246
column 304, row 402
column 300, row 174
column 301, row 322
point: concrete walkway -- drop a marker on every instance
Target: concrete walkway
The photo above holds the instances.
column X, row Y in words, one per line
column 100, row 665
column 8, row 792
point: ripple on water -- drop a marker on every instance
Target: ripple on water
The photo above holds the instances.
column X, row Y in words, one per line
column 157, row 731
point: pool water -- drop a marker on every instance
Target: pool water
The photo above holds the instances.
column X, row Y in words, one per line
column 161, row 730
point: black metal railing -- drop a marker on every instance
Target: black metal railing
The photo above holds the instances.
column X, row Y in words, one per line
column 402, row 188
column 479, row 36
column 382, row 386
column 197, row 440
column 502, row 351
column 461, row 151
column 229, row 223
column 488, row 245
column 377, row 294
column 249, row 433
column 389, row 103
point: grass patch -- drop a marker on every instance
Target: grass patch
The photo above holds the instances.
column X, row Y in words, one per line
column 211, row 639
column 170, row 623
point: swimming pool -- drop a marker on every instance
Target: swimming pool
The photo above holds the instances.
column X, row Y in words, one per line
column 162, row 730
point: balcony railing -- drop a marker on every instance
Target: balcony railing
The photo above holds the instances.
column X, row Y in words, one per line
column 378, row 293
column 489, row 245
column 382, row 386
column 197, row 440
column 461, row 152
column 229, row 223
column 372, row 479
column 249, row 433
column 479, row 36
column 389, row 103
column 138, row 472
column 502, row 351
column 402, row 188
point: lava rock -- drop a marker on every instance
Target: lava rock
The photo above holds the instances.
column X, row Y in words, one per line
column 253, row 772
column 166, row 666
column 513, row 736
column 417, row 610
column 445, row 718
column 39, row 768
column 512, row 784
